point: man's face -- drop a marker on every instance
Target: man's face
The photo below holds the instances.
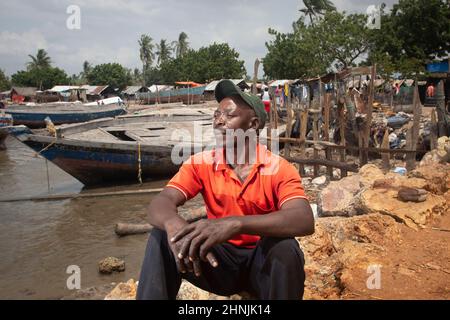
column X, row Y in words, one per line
column 232, row 115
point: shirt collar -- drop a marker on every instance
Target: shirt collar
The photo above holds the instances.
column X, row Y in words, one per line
column 220, row 163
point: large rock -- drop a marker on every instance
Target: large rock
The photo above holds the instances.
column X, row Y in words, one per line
column 123, row 291
column 111, row 264
column 437, row 177
column 369, row 173
column 341, row 248
column 439, row 155
column 413, row 214
column 337, row 199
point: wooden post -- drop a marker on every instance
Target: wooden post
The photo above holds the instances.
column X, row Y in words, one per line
column 326, row 118
column 287, row 146
column 303, row 127
column 411, row 157
column 255, row 76
column 433, row 135
column 368, row 120
column 316, row 138
column 385, row 145
column 342, row 126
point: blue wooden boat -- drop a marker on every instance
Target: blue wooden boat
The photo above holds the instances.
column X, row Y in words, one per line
column 185, row 95
column 115, row 149
column 5, row 121
column 34, row 116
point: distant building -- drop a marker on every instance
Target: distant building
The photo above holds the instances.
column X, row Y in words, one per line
column 23, row 94
column 94, row 93
column 130, row 92
column 209, row 90
column 67, row 93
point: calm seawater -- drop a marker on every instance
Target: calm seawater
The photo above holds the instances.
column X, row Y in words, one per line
column 40, row 239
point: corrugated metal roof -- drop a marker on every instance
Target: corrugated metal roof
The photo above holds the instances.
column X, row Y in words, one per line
column 276, row 83
column 65, row 88
column 132, row 89
column 94, row 90
column 212, row 86
column 25, row 91
column 161, row 87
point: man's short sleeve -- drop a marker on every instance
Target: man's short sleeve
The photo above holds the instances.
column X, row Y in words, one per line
column 187, row 180
column 288, row 184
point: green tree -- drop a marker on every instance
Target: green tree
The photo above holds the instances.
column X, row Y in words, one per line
column 315, row 8
column 414, row 33
column 181, row 46
column 343, row 38
column 42, row 78
column 336, row 41
column 41, row 60
column 112, row 74
column 217, row 61
column 163, row 52
column 5, row 84
column 146, row 53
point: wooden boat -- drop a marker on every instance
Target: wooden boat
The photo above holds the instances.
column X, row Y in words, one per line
column 115, row 149
column 185, row 95
column 5, row 121
column 125, row 148
column 34, row 116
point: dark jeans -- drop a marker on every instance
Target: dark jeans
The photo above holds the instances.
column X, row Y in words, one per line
column 271, row 270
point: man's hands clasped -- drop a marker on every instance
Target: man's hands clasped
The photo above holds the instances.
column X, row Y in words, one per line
column 192, row 243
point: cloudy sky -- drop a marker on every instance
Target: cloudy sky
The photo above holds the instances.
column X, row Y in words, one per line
column 110, row 29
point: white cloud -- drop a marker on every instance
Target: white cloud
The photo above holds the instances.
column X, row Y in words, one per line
column 14, row 44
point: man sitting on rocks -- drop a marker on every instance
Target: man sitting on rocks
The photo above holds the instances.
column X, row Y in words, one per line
column 255, row 205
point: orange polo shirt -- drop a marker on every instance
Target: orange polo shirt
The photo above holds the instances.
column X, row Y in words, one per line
column 271, row 182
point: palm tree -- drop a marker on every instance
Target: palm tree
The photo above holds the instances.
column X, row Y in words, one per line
column 146, row 54
column 181, row 46
column 164, row 51
column 87, row 67
column 313, row 8
column 41, row 60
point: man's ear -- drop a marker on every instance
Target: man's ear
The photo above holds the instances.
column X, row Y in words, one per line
column 255, row 123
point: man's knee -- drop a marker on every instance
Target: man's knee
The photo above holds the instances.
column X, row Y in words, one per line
column 286, row 250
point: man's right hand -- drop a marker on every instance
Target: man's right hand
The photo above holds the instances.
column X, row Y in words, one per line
column 172, row 227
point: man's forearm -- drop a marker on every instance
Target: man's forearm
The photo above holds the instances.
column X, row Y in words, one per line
column 284, row 223
column 163, row 214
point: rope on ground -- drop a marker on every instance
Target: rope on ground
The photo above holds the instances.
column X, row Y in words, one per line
column 139, row 163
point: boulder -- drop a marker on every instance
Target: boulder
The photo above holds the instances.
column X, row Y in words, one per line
column 123, row 291
column 369, row 173
column 319, row 181
column 341, row 248
column 413, row 214
column 439, row 155
column 412, row 194
column 437, row 177
column 111, row 264
column 337, row 199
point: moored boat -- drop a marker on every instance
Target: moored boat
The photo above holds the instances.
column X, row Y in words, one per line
column 34, row 116
column 5, row 121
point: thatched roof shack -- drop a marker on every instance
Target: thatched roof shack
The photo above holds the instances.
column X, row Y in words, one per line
column 23, row 94
column 130, row 92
